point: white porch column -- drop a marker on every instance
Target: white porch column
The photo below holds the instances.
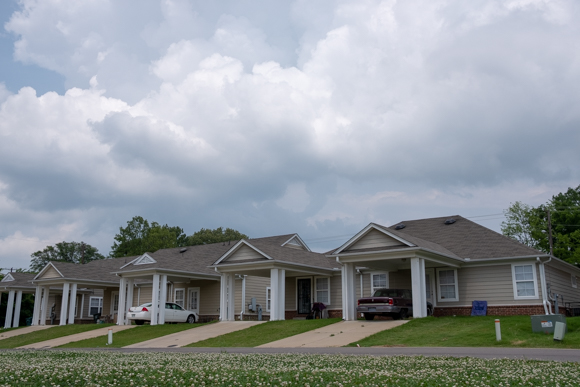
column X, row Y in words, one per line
column 44, row 307
column 155, row 300
column 37, row 303
column 274, row 294
column 64, row 304
column 128, row 300
column 343, row 292
column 349, row 293
column 72, row 304
column 163, row 298
column 121, row 307
column 282, row 294
column 418, row 287
column 231, row 297
column 17, row 305
column 82, row 306
column 223, row 297
column 9, row 309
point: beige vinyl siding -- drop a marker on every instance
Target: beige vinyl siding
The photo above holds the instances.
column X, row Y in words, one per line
column 50, row 273
column 493, row 284
column 335, row 292
column 373, row 239
column 400, row 279
column 145, row 294
column 293, row 246
column 244, row 253
column 209, row 296
column 560, row 283
column 255, row 287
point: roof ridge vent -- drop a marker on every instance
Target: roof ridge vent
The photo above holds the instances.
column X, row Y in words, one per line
column 183, row 250
column 400, row 226
column 450, row 221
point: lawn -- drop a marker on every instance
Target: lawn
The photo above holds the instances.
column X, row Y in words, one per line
column 464, row 331
column 48, row 334
column 132, row 336
column 105, row 368
column 264, row 333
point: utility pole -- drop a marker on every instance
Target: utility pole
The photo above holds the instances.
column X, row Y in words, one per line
column 550, row 233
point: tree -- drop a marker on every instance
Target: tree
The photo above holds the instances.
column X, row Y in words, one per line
column 140, row 237
column 74, row 252
column 529, row 225
column 207, row 236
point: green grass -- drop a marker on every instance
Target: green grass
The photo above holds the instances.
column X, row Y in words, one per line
column 48, row 334
column 264, row 333
column 132, row 336
column 460, row 331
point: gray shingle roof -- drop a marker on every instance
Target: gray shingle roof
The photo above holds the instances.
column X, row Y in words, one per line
column 464, row 238
column 21, row 280
column 98, row 270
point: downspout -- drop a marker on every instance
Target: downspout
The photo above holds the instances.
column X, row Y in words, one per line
column 547, row 305
column 361, row 282
column 243, row 297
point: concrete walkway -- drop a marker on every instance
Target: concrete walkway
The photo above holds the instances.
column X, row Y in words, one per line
column 335, row 335
column 23, row 331
column 194, row 335
column 77, row 337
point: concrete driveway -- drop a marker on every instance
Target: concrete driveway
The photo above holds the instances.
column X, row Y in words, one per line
column 23, row 331
column 77, row 337
column 335, row 335
column 194, row 335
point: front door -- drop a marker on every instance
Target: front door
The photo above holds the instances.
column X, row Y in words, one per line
column 193, row 300
column 304, row 295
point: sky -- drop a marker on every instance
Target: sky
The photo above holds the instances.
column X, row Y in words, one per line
column 278, row 117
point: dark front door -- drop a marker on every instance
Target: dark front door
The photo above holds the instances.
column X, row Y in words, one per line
column 304, row 295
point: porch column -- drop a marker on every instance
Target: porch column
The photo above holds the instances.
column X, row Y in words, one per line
column 232, row 297
column 121, row 306
column 128, row 300
column 72, row 304
column 418, row 287
column 64, row 304
column 44, row 307
column 163, row 298
column 155, row 299
column 282, row 294
column 223, row 297
column 274, row 294
column 349, row 307
column 37, row 303
column 16, row 320
column 9, row 309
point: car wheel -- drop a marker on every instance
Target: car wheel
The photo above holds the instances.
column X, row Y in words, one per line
column 139, row 322
column 369, row 316
column 190, row 319
column 403, row 314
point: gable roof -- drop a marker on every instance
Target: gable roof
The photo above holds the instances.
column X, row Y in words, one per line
column 17, row 280
column 463, row 238
column 100, row 270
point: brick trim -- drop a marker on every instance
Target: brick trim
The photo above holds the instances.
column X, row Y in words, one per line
column 492, row 310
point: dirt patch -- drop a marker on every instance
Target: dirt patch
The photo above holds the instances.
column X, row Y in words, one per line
column 518, row 342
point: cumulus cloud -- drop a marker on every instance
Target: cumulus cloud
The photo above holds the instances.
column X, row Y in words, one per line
column 281, row 117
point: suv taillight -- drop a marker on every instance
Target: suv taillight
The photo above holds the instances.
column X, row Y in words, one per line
column 390, row 301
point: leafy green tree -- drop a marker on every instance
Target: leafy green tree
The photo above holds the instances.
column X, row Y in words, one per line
column 529, row 225
column 75, row 252
column 140, row 237
column 206, row 236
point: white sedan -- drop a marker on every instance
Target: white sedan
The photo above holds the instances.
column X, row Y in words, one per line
column 173, row 313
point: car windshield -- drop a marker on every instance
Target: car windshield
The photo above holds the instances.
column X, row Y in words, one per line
column 387, row 293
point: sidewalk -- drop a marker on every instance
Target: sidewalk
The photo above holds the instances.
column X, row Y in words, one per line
column 335, row 335
column 194, row 335
column 77, row 337
column 24, row 330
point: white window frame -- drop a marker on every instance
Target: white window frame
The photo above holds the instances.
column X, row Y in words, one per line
column 268, row 298
column 184, row 306
column 188, row 297
column 439, row 299
column 100, row 307
column 316, row 289
column 535, row 281
column 373, row 273
column 113, row 310
column 574, row 281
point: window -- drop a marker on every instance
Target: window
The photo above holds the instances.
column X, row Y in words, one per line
column 95, row 305
column 574, row 281
column 524, row 281
column 379, row 281
column 322, row 293
column 268, row 298
column 447, row 281
column 179, row 297
column 115, row 303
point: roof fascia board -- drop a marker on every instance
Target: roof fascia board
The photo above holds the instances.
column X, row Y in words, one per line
column 79, row 281
column 130, row 263
column 152, row 271
column 559, row 262
column 296, row 236
column 363, row 232
column 271, row 265
column 8, row 278
column 236, row 247
column 45, row 268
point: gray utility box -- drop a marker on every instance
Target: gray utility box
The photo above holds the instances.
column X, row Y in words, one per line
column 547, row 322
